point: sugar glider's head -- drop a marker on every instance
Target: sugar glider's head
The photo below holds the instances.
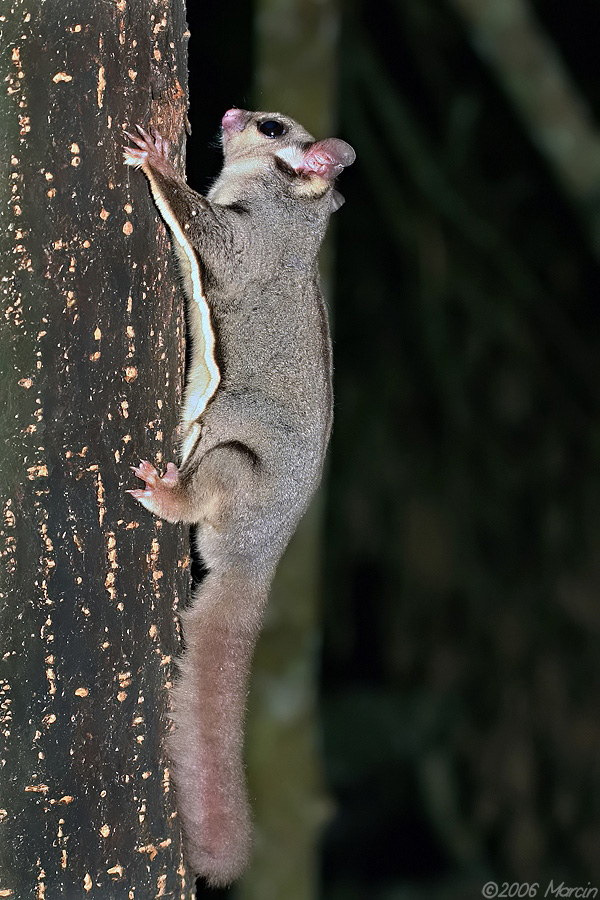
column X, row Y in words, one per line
column 258, row 142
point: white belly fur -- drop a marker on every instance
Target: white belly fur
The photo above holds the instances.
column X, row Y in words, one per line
column 203, row 375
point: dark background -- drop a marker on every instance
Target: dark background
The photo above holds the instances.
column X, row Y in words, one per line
column 460, row 672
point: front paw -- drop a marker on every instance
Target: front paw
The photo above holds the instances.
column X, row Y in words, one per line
column 161, row 495
column 150, row 150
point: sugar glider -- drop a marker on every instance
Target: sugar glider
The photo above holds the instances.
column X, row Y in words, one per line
column 255, row 426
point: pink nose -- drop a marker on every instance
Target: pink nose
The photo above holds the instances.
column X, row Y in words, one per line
column 234, row 119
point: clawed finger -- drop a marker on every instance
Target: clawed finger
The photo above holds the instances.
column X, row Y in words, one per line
column 136, row 140
column 147, row 137
column 138, row 493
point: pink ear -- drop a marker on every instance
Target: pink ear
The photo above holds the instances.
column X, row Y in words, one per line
column 326, row 158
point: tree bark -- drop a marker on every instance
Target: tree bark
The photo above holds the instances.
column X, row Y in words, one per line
column 91, row 357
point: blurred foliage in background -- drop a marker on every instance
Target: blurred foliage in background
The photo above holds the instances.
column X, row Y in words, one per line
column 460, row 680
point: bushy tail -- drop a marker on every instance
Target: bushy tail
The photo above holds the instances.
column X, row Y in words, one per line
column 206, row 748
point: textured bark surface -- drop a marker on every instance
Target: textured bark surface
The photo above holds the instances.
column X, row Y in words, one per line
column 91, row 337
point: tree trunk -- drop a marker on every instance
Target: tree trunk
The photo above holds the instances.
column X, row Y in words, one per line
column 91, row 360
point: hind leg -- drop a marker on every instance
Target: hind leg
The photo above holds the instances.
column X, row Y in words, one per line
column 161, row 494
column 221, row 490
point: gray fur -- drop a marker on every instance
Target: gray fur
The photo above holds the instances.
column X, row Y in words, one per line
column 261, row 439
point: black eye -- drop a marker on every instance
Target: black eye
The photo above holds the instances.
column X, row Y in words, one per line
column 272, row 128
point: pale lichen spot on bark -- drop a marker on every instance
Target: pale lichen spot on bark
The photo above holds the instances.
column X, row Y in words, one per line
column 62, row 76
column 109, row 584
column 51, row 676
column 45, row 633
column 46, row 538
column 101, row 87
column 40, row 471
column 36, row 788
column 100, row 493
column 149, row 849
